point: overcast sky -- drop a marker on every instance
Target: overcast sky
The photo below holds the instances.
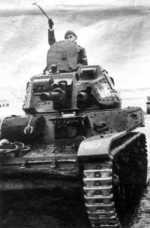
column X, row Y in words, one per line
column 12, row 4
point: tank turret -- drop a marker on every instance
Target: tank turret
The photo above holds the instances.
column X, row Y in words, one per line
column 83, row 89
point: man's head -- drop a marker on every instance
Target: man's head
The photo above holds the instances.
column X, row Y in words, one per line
column 70, row 35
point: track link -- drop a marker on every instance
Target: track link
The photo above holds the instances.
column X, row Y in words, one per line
column 98, row 195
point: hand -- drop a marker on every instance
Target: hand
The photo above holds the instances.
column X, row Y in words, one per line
column 50, row 23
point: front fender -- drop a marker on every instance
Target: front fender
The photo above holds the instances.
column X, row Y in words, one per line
column 98, row 146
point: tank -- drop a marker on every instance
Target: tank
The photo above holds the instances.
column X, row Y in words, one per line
column 75, row 134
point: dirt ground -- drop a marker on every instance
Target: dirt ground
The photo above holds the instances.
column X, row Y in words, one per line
column 43, row 209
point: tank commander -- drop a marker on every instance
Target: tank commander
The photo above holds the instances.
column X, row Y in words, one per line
column 69, row 35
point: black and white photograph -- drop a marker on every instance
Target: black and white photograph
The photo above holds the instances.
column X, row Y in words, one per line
column 74, row 114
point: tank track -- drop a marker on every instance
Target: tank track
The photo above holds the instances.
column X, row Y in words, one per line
column 131, row 170
column 98, row 195
column 127, row 173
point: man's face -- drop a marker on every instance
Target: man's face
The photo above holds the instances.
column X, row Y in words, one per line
column 71, row 37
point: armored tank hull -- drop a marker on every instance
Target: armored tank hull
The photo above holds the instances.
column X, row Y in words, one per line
column 76, row 135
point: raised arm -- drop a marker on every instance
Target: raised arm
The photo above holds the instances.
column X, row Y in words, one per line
column 51, row 33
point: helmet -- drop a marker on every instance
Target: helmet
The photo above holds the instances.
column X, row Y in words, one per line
column 69, row 32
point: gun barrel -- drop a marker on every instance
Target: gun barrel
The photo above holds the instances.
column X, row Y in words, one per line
column 54, row 95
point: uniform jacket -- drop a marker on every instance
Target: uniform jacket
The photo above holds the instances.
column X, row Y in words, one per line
column 82, row 57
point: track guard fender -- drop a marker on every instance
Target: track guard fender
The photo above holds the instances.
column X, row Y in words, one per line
column 98, row 146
